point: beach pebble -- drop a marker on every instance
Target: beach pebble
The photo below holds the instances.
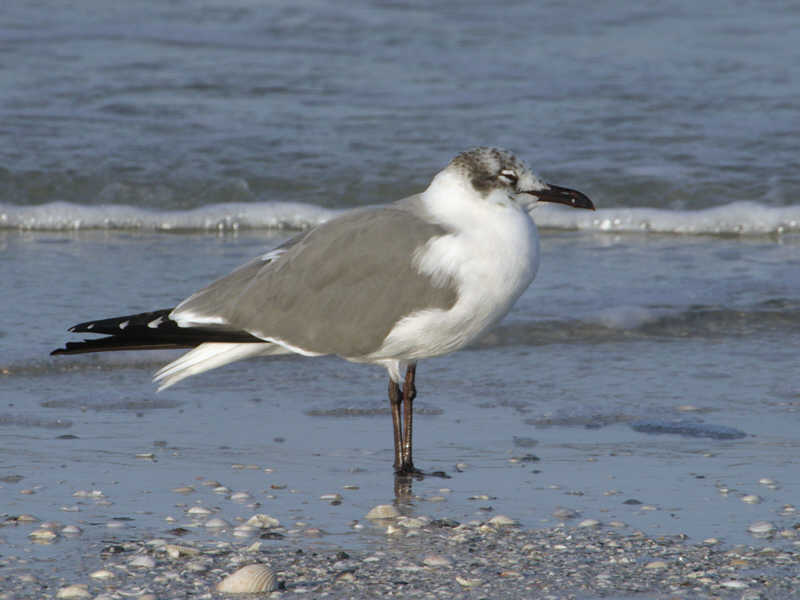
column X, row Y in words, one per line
column 217, row 523
column 331, row 497
column 436, row 560
column 176, row 551
column 32, row 519
column 43, row 535
column 77, row 590
column 199, row 511
column 565, row 513
column 734, row 584
column 71, row 530
column 589, row 523
column 468, row 582
column 142, row 561
column 502, row 521
column 617, row 524
column 240, row 496
column 101, row 574
column 656, row 565
column 751, row 499
column 244, row 531
column 251, row 579
column 89, row 494
column 412, row 522
column 184, row 489
column 383, row 511
column 263, row 521
column 761, row 528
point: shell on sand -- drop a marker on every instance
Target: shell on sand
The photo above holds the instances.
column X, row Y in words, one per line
column 383, row 511
column 263, row 521
column 251, row 579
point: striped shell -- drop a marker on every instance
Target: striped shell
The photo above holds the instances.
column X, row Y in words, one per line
column 252, row 579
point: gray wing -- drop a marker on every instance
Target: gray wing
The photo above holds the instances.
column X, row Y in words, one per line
column 337, row 289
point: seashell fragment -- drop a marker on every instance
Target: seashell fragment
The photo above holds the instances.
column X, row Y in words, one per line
column 436, row 560
column 217, row 523
column 251, row 579
column 101, row 574
column 78, row 590
column 589, row 523
column 176, row 551
column 142, row 561
column 43, row 535
column 200, row 511
column 32, row 519
column 761, row 529
column 502, row 521
column 263, row 521
column 72, row 530
column 383, row 511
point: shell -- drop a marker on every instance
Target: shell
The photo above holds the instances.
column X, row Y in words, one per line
column 142, row 561
column 101, row 574
column 761, row 529
column 200, row 511
column 263, row 521
column 77, row 590
column 383, row 511
column 252, row 579
column 502, row 521
column 217, row 523
column 43, row 534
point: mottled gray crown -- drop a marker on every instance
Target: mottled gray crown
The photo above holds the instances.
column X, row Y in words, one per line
column 495, row 168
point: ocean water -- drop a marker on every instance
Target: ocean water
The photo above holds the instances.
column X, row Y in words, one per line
column 147, row 148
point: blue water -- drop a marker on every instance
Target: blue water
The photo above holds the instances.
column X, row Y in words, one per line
column 148, row 148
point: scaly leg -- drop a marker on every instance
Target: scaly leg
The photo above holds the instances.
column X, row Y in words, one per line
column 394, row 402
column 409, row 393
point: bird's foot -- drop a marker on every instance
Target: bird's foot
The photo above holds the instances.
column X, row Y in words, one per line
column 410, row 471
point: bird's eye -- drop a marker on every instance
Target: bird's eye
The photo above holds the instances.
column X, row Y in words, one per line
column 509, row 177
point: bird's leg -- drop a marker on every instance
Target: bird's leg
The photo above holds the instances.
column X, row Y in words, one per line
column 394, row 402
column 409, row 393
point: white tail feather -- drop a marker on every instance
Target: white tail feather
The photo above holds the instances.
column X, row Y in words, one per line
column 210, row 356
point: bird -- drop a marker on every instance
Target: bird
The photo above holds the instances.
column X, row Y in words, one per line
column 387, row 285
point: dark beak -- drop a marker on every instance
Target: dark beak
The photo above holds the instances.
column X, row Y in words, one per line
column 563, row 195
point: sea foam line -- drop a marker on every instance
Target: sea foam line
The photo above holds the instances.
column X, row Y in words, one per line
column 738, row 218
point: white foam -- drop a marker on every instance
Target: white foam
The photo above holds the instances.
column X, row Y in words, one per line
column 64, row 216
column 738, row 218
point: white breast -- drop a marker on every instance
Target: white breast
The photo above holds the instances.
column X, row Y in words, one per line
column 492, row 255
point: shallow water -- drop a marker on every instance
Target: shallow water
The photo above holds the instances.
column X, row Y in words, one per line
column 147, row 149
column 590, row 352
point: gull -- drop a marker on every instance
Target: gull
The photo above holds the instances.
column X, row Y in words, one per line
column 386, row 285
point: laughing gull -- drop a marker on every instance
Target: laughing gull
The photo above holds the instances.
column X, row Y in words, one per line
column 388, row 285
